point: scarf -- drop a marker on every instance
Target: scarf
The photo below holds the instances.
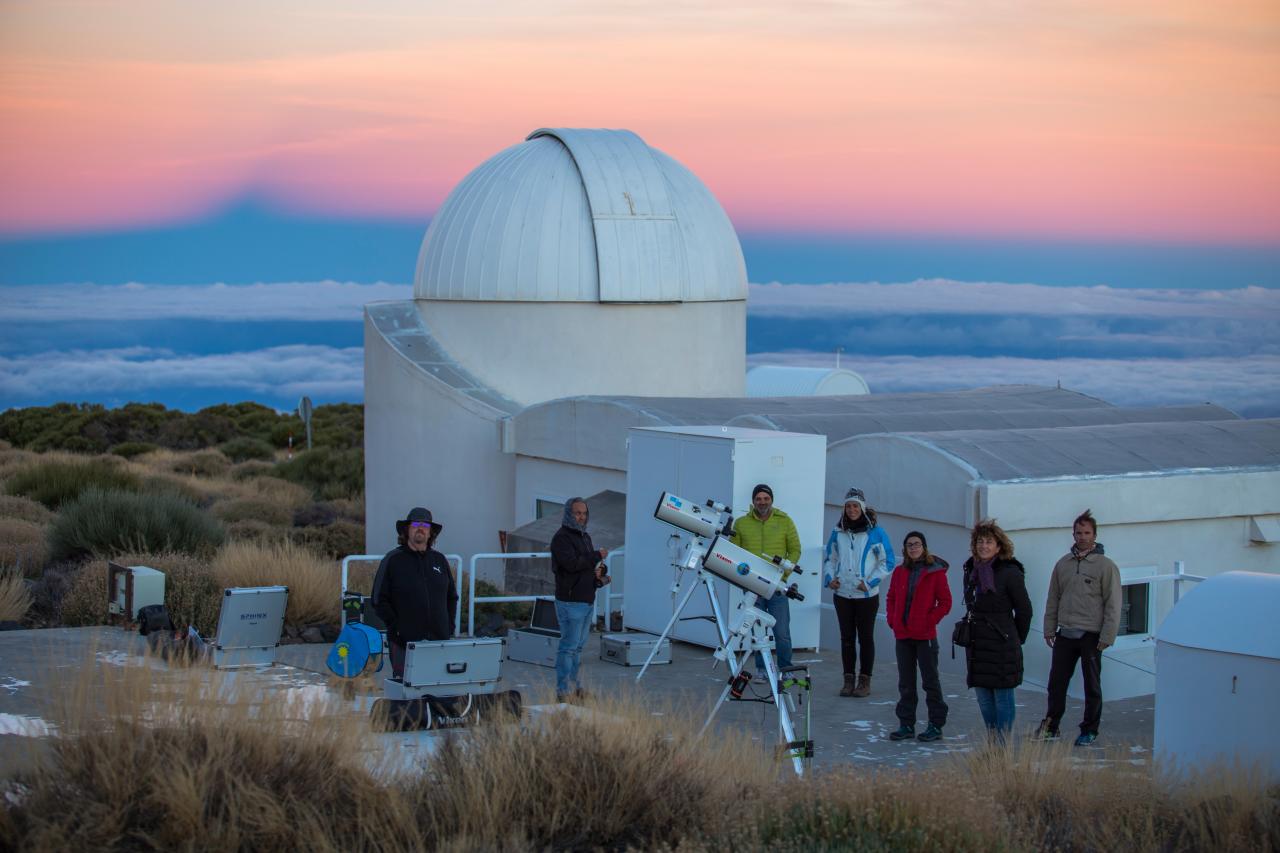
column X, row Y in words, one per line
column 985, row 570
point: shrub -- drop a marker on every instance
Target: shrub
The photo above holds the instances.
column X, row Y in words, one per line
column 167, row 484
column 337, row 540
column 246, row 448
column 252, row 530
column 24, row 509
column 22, row 546
column 130, row 449
column 328, row 473
column 84, row 600
column 55, row 482
column 105, row 523
column 257, row 509
column 249, row 470
column 15, row 599
column 312, row 582
column 204, row 463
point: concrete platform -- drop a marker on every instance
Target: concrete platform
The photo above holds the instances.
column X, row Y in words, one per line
column 40, row 669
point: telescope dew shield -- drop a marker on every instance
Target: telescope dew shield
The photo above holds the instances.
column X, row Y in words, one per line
column 687, row 516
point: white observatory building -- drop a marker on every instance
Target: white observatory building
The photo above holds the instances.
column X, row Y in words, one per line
column 576, row 262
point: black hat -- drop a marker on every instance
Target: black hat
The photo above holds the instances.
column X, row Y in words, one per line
column 418, row 513
column 917, row 534
column 763, row 487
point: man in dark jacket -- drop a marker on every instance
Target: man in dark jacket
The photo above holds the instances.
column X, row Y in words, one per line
column 413, row 591
column 579, row 571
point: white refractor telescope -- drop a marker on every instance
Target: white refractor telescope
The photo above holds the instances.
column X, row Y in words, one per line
column 713, row 521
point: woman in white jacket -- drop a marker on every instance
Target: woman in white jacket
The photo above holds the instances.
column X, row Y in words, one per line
column 858, row 559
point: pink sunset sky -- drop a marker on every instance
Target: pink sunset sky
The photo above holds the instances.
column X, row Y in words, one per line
column 1102, row 120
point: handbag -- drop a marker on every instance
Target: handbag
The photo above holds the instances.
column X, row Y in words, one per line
column 962, row 633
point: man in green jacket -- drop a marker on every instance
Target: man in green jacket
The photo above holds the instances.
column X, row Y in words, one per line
column 767, row 530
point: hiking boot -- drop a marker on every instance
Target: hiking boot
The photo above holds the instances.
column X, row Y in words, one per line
column 849, row 684
column 1045, row 731
column 863, row 687
column 930, row 734
column 1086, row 739
column 904, row 732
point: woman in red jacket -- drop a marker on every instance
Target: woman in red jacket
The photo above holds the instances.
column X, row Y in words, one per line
column 918, row 600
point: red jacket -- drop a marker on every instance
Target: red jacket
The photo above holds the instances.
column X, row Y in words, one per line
column 931, row 602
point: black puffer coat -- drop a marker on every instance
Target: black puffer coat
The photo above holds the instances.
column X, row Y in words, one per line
column 1001, row 620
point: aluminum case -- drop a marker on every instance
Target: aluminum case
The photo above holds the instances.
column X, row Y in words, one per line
column 448, row 668
column 632, row 649
column 538, row 643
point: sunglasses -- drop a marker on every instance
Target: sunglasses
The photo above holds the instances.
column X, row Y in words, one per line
column 418, row 525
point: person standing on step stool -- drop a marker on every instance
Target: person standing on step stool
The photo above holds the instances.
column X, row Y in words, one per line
column 1081, row 618
column 917, row 601
column 858, row 557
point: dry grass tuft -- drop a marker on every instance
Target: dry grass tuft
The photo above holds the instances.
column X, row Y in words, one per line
column 612, row 778
column 1069, row 804
column 24, row 509
column 312, row 581
column 15, row 598
column 191, row 760
column 22, row 546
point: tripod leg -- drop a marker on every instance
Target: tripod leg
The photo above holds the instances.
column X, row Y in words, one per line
column 675, row 614
column 721, row 630
column 784, row 716
column 724, row 694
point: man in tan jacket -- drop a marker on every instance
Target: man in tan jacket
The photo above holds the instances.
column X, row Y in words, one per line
column 1081, row 617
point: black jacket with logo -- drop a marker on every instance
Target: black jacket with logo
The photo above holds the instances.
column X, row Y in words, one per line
column 414, row 594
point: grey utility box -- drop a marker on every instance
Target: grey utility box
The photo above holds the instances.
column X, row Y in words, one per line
column 448, row 668
column 538, row 643
column 632, row 649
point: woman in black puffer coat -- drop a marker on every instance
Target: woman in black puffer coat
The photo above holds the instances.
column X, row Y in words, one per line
column 995, row 592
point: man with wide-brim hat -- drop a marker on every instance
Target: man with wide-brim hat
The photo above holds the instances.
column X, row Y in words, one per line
column 413, row 591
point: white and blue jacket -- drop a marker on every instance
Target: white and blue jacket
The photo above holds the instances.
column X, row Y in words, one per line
column 862, row 556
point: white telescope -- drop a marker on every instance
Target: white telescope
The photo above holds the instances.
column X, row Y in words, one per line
column 688, row 516
column 745, row 570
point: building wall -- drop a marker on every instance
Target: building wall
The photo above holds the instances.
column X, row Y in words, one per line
column 538, row 351
column 427, row 445
column 549, row 479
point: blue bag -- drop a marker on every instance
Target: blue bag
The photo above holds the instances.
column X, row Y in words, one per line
column 357, row 650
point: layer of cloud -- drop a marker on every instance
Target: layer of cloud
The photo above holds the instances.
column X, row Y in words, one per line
column 944, row 296
column 303, row 300
column 143, row 373
column 1249, row 386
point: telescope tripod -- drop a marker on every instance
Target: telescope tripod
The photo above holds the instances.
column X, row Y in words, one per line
column 751, row 635
column 707, row 583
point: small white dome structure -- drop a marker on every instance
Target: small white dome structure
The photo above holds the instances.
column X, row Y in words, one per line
column 775, row 380
column 1218, row 675
column 575, row 262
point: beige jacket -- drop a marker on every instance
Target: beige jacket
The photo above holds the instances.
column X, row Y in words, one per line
column 1084, row 593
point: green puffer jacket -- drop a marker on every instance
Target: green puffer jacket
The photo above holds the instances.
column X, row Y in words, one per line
column 775, row 536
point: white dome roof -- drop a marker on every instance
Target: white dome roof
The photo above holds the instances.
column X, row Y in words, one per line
column 581, row 216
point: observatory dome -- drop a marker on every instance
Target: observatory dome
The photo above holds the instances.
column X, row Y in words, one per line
column 572, row 215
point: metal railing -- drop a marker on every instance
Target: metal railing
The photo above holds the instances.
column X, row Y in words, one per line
column 1178, row 577
column 455, row 560
column 472, row 598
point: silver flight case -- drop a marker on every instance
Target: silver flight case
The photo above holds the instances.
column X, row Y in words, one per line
column 632, row 649
column 538, row 643
column 448, row 668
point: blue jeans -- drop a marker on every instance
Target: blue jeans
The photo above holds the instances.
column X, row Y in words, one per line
column 780, row 609
column 572, row 616
column 996, row 705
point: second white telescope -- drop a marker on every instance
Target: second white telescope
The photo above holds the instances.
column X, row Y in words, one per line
column 747, row 571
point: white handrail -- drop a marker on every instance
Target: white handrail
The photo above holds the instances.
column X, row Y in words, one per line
column 471, row 586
